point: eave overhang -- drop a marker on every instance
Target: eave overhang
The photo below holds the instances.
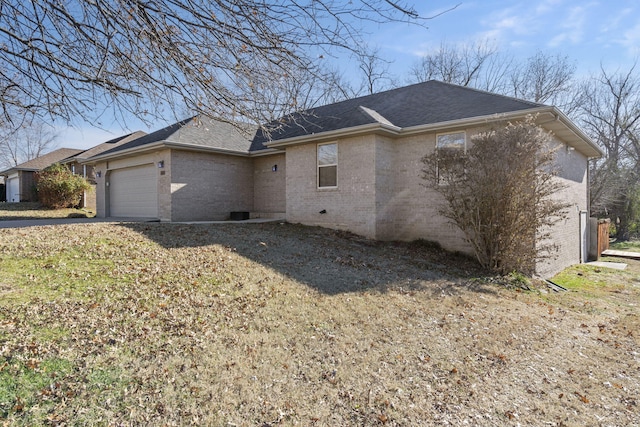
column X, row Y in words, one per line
column 163, row 145
column 549, row 117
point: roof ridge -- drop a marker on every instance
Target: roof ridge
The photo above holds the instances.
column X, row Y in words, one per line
column 197, row 130
column 486, row 92
column 362, row 99
column 376, row 116
column 47, row 159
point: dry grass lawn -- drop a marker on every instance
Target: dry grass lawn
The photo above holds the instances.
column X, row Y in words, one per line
column 33, row 210
column 277, row 324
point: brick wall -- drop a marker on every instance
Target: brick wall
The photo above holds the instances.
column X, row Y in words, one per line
column 410, row 210
column 100, row 190
column 209, row 186
column 27, row 186
column 572, row 166
column 165, row 207
column 269, row 186
column 385, row 181
column 380, row 191
column 350, row 206
column 89, row 198
column 381, row 194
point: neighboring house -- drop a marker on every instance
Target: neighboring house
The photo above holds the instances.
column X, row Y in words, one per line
column 353, row 165
column 74, row 163
column 20, row 180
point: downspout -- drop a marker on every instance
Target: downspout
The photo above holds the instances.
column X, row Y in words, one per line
column 84, row 193
column 588, row 187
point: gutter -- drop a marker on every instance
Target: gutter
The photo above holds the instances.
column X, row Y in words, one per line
column 472, row 121
column 154, row 146
column 16, row 170
column 159, row 145
column 578, row 132
column 375, row 128
column 332, row 134
column 383, row 128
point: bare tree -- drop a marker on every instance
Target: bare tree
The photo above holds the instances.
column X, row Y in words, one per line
column 494, row 76
column 27, row 142
column 500, row 194
column 542, row 78
column 374, row 71
column 611, row 115
column 461, row 65
column 69, row 58
column 299, row 91
column 546, row 79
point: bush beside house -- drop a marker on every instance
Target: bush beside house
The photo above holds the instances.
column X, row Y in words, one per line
column 58, row 187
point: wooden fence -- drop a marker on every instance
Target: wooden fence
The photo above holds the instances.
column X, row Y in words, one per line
column 603, row 235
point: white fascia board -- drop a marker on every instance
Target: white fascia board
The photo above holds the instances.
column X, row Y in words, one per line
column 123, row 153
column 265, row 152
column 159, row 146
column 397, row 131
column 196, row 147
column 473, row 121
column 339, row 133
column 579, row 133
column 582, row 141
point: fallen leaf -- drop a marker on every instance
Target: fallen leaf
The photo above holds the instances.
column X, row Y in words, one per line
column 582, row 397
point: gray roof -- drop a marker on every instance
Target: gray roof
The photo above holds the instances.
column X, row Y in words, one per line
column 108, row 145
column 419, row 104
column 39, row 163
column 197, row 131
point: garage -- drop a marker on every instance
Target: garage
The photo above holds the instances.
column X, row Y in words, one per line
column 133, row 192
column 13, row 188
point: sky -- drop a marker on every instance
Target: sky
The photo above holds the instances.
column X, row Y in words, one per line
column 591, row 33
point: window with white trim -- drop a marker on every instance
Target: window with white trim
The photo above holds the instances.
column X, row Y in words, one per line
column 452, row 144
column 451, row 141
column 328, row 165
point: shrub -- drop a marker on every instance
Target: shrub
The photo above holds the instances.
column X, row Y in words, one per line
column 500, row 193
column 59, row 188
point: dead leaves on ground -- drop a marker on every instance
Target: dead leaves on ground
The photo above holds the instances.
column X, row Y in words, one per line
column 202, row 325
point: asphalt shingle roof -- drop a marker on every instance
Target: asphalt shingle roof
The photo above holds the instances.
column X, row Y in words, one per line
column 419, row 104
column 39, row 163
column 108, row 145
column 196, row 130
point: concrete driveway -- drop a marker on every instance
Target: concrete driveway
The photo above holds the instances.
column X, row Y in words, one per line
column 19, row 223
column 58, row 221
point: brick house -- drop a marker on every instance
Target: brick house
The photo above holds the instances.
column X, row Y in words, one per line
column 353, row 165
column 20, row 179
column 77, row 166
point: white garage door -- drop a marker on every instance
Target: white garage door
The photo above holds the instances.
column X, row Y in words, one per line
column 133, row 192
column 13, row 189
